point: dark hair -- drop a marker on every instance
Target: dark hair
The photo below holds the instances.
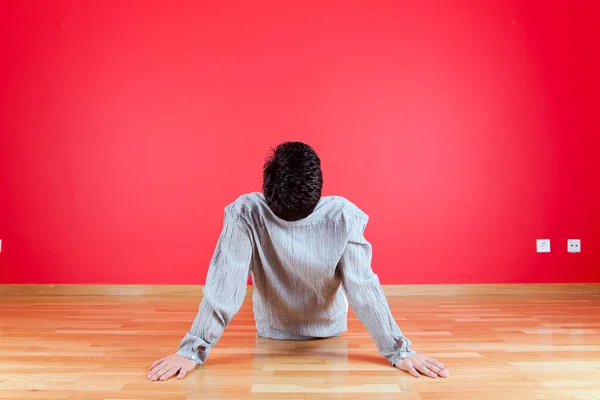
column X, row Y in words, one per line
column 292, row 181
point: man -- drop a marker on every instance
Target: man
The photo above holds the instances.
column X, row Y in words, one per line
column 307, row 257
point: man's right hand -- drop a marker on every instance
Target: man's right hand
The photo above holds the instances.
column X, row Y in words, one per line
column 420, row 364
column 163, row 369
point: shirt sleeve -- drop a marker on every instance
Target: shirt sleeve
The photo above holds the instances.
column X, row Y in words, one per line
column 224, row 291
column 366, row 296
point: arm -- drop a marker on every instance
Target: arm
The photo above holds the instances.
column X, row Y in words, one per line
column 366, row 296
column 371, row 307
column 224, row 294
column 224, row 291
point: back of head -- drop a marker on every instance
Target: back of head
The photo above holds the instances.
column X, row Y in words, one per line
column 292, row 181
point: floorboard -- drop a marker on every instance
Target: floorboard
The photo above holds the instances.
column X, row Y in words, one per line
column 496, row 347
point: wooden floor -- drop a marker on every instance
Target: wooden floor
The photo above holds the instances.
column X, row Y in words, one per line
column 496, row 347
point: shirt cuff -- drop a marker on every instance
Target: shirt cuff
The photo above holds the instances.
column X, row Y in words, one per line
column 189, row 355
column 193, row 348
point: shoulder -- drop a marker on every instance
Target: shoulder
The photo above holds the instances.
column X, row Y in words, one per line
column 353, row 217
column 245, row 204
column 345, row 209
column 249, row 209
column 241, row 211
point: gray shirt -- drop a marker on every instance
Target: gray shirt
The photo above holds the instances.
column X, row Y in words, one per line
column 304, row 273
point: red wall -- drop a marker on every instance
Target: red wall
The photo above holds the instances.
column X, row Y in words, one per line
column 126, row 127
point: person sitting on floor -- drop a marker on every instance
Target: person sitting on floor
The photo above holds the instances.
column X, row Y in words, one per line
column 308, row 258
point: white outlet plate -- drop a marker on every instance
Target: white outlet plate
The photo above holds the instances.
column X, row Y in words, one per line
column 543, row 245
column 574, row 245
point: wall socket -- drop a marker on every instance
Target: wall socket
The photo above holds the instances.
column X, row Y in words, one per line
column 574, row 245
column 543, row 245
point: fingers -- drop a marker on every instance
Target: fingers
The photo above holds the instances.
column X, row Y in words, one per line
column 407, row 365
column 158, row 371
column 435, row 362
column 436, row 367
column 420, row 364
column 182, row 373
column 437, row 370
column 426, row 371
column 411, row 370
column 154, row 371
column 155, row 374
column 172, row 370
column 157, row 362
